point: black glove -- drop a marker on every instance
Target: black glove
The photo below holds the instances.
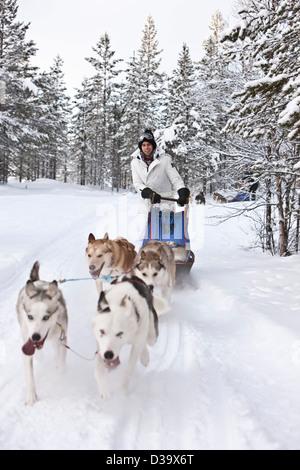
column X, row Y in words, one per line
column 184, row 194
column 147, row 193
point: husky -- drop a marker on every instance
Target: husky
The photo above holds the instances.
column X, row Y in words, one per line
column 42, row 314
column 127, row 314
column 219, row 198
column 200, row 198
column 107, row 257
column 156, row 266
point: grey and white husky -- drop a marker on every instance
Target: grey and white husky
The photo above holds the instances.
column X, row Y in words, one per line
column 42, row 315
column 155, row 265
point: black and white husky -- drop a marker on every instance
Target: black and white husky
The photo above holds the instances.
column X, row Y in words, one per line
column 127, row 314
column 42, row 315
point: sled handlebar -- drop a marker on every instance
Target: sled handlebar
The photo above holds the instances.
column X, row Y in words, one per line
column 168, row 199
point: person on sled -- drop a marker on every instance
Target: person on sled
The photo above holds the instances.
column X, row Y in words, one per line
column 154, row 173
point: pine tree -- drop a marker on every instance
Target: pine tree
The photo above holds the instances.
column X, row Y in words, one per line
column 84, row 166
column 272, row 31
column 266, row 108
column 103, row 95
column 182, row 141
column 151, row 79
column 216, row 83
column 54, row 122
column 16, row 77
column 143, row 95
column 182, row 88
column 116, row 142
column 135, row 107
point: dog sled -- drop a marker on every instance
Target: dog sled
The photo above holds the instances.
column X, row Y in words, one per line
column 241, row 197
column 172, row 228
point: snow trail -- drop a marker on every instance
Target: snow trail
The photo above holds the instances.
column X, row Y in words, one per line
column 224, row 374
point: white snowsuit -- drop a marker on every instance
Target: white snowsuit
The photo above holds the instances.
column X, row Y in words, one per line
column 161, row 176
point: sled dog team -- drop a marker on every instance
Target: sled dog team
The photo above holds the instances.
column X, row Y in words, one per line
column 127, row 312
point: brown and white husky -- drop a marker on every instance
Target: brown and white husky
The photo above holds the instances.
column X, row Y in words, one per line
column 107, row 257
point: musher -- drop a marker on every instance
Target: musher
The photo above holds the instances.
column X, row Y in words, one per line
column 154, row 173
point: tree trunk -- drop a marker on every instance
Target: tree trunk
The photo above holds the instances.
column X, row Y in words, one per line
column 283, row 242
column 298, row 227
column 269, row 230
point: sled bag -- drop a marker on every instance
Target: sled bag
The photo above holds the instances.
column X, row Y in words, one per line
column 242, row 197
column 167, row 226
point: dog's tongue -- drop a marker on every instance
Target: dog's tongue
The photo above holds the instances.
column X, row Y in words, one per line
column 111, row 365
column 28, row 348
column 97, row 273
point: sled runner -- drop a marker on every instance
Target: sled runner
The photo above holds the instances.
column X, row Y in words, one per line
column 172, row 228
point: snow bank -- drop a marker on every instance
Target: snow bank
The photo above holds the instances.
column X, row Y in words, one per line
column 225, row 372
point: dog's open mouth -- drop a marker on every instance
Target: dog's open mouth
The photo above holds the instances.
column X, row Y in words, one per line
column 97, row 273
column 30, row 347
column 113, row 364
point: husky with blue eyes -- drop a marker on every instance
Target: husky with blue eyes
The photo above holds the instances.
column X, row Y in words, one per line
column 42, row 315
column 127, row 314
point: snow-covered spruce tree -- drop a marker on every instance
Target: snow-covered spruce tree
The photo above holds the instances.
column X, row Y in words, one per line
column 135, row 109
column 143, row 96
column 103, row 93
column 53, row 123
column 266, row 110
column 118, row 176
column 180, row 139
column 83, row 164
column 16, row 76
column 152, row 80
column 272, row 30
column 218, row 76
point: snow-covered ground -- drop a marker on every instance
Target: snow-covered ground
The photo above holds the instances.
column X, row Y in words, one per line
column 225, row 373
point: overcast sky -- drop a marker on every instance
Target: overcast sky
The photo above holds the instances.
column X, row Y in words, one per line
column 71, row 28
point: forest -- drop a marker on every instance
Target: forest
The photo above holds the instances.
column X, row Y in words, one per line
column 229, row 119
